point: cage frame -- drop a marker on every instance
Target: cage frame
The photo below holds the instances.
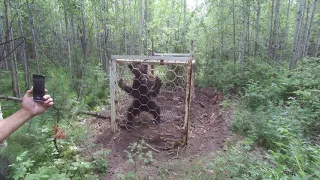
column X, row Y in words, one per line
column 155, row 59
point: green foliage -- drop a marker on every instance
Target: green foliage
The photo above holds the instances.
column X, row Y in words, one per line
column 282, row 115
column 95, row 87
column 136, row 152
column 237, row 163
column 136, row 155
column 25, row 168
column 230, row 77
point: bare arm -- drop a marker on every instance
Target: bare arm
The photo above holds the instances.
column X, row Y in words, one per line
column 29, row 108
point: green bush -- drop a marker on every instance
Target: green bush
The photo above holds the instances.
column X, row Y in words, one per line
column 230, row 77
column 282, row 115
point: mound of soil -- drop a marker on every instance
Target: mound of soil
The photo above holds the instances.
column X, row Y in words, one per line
column 207, row 133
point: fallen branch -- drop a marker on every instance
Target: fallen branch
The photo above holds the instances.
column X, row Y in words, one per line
column 154, row 149
column 95, row 114
column 11, row 98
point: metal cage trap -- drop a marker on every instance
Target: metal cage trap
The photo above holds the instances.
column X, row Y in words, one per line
column 152, row 94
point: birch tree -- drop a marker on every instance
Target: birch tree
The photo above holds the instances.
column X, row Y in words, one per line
column 34, row 40
column 296, row 41
column 11, row 53
column 306, row 43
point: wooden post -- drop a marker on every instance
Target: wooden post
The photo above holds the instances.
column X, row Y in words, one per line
column 193, row 94
column 188, row 103
column 113, row 83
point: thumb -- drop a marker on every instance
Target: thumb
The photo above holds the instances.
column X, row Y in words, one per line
column 29, row 92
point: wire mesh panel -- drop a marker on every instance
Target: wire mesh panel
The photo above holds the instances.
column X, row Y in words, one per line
column 151, row 96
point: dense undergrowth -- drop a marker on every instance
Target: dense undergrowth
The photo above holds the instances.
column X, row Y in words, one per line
column 31, row 151
column 278, row 113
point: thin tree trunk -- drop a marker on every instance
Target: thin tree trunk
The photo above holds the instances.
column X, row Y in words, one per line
column 23, row 52
column 99, row 53
column 68, row 40
column 60, row 45
column 146, row 21
column 184, row 25
column 248, row 28
column 2, row 48
column 295, row 47
column 306, row 44
column 257, row 29
column 105, row 38
column 14, row 66
column 11, row 52
column 132, row 29
column 234, row 32
column 271, row 32
column 140, row 27
column 303, row 31
column 33, row 37
column 242, row 47
column 275, row 45
column 84, row 46
column 125, row 28
column 286, row 33
column 316, row 49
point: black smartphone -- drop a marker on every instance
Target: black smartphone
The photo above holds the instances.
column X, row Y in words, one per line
column 38, row 87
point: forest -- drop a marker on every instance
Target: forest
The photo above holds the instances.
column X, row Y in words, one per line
column 253, row 112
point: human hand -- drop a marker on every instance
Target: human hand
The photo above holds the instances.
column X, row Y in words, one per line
column 34, row 108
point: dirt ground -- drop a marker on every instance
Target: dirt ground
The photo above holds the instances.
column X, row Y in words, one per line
column 207, row 134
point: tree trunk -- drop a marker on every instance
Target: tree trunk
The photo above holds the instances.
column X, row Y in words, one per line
column 316, row 49
column 184, row 25
column 285, row 42
column 23, row 53
column 243, row 47
column 68, row 40
column 234, row 32
column 306, row 44
column 11, row 53
column 125, row 28
column 84, row 46
column 295, row 47
column 132, row 29
column 257, row 29
column 274, row 43
column 146, row 21
column 105, row 38
column 271, row 32
column 248, row 28
column 140, row 27
column 33, row 37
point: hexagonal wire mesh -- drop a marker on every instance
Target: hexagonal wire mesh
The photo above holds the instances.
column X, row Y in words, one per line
column 151, row 92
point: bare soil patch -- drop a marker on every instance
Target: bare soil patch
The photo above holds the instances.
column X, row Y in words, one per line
column 208, row 132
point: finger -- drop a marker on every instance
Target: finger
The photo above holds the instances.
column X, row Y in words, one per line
column 45, row 97
column 29, row 92
column 45, row 90
column 47, row 105
column 47, row 101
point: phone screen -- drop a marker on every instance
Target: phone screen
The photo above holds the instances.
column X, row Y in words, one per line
column 38, row 87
